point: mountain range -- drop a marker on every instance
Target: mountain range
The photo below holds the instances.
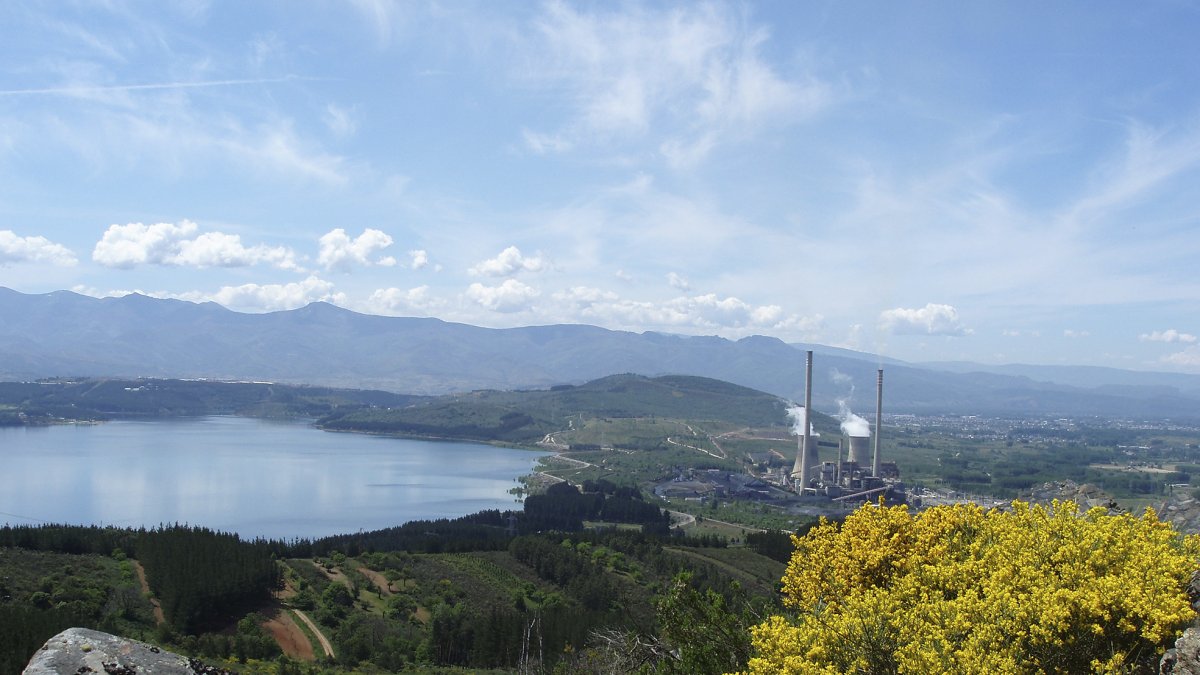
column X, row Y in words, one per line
column 67, row 334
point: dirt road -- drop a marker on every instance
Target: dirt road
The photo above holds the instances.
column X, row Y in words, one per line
column 325, row 646
column 159, row 617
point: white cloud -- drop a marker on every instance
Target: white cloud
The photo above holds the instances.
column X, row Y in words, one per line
column 340, row 120
column 585, row 296
column 1189, row 357
column 272, row 297
column 932, row 319
column 133, row 244
column 419, row 259
column 1074, row 334
column 1169, row 335
column 692, row 72
column 708, row 312
column 394, row 300
column 510, row 296
column 247, row 297
column 678, row 282
column 510, row 261
column 544, row 144
column 340, row 252
column 17, row 249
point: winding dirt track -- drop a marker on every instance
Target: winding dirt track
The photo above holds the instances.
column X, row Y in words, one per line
column 159, row 617
column 325, row 646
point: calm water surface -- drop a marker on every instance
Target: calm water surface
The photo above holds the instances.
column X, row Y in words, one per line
column 254, row 477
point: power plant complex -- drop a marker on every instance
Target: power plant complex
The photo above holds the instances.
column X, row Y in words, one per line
column 848, row 479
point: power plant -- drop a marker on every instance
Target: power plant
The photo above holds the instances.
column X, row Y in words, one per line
column 848, row 479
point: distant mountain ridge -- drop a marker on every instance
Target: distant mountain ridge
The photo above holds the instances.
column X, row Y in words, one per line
column 67, row 334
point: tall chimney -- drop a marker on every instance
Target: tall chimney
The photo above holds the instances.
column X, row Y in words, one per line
column 878, row 423
column 806, row 446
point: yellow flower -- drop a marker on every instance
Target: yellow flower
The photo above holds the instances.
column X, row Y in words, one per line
column 956, row 589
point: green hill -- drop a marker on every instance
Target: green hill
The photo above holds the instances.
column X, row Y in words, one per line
column 527, row 416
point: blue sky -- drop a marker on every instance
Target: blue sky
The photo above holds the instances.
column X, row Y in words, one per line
column 998, row 182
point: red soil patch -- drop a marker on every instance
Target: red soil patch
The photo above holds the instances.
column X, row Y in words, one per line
column 380, row 581
column 291, row 638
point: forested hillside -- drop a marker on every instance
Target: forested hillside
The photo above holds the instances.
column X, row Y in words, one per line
column 527, row 416
column 48, row 401
column 526, row 589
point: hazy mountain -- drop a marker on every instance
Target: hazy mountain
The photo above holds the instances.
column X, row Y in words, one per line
column 64, row 333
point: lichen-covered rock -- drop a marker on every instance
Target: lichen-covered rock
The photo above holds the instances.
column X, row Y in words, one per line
column 1086, row 495
column 1184, row 659
column 79, row 651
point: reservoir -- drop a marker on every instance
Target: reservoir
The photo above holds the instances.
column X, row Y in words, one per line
column 257, row 478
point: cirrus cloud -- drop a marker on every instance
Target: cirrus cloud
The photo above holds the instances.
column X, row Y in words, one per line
column 17, row 249
column 932, row 319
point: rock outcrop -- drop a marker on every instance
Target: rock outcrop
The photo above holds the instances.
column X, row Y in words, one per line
column 79, row 651
column 1086, row 495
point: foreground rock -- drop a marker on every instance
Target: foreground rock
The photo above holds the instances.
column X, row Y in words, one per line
column 80, row 651
column 1086, row 495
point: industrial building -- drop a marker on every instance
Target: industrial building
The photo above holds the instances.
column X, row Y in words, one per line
column 849, row 479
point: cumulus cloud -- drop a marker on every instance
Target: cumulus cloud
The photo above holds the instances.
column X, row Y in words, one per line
column 133, row 244
column 510, row 296
column 1189, row 358
column 393, row 300
column 1069, row 333
column 419, row 259
column 707, row 312
column 676, row 281
column 932, row 319
column 340, row 252
column 17, row 249
column 509, row 262
column 272, row 297
column 1169, row 335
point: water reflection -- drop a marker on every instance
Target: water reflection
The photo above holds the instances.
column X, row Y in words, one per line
column 248, row 476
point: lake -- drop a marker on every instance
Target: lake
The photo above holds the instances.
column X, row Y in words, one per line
column 250, row 476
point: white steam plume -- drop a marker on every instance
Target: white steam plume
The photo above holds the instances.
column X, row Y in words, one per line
column 852, row 425
column 799, row 417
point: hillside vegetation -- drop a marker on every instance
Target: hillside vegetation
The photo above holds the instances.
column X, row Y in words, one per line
column 527, row 416
column 50, row 401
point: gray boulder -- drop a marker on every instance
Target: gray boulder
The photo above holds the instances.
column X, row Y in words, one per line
column 1184, row 659
column 79, row 651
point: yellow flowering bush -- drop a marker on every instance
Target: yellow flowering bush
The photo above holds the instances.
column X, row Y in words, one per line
column 957, row 589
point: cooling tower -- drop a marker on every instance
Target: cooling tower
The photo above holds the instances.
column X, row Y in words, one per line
column 859, row 448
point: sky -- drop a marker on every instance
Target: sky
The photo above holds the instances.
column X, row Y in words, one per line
column 1006, row 182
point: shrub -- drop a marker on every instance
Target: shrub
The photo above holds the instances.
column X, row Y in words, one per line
column 959, row 589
